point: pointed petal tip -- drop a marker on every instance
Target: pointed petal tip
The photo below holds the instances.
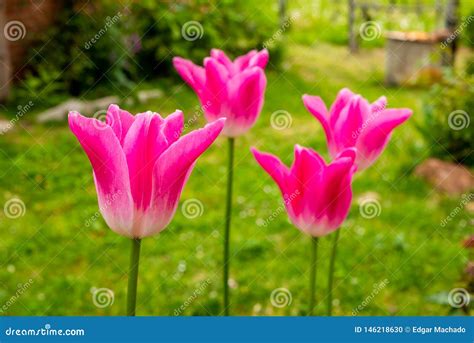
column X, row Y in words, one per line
column 255, row 151
column 177, row 60
column 72, row 114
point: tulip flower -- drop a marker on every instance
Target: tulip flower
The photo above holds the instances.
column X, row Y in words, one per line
column 353, row 122
column 230, row 89
column 140, row 167
column 233, row 90
column 317, row 195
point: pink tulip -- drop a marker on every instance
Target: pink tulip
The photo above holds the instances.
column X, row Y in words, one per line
column 228, row 89
column 317, row 196
column 353, row 122
column 140, row 165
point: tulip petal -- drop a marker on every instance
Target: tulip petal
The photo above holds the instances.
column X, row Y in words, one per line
column 142, row 146
column 242, row 62
column 246, row 97
column 306, row 173
column 379, row 105
column 173, row 126
column 215, row 92
column 349, row 123
column 376, row 135
column 316, row 106
column 119, row 120
column 171, row 172
column 336, row 192
column 222, row 58
column 111, row 177
column 192, row 74
column 260, row 59
column 343, row 98
column 277, row 170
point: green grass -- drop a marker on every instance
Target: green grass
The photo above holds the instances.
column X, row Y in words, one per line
column 51, row 244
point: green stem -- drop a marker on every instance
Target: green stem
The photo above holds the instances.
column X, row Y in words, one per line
column 228, row 215
column 312, row 277
column 331, row 272
column 133, row 277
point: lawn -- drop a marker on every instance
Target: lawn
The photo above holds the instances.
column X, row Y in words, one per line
column 66, row 249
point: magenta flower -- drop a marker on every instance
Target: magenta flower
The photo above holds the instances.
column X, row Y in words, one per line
column 353, row 122
column 317, row 196
column 140, row 165
column 229, row 89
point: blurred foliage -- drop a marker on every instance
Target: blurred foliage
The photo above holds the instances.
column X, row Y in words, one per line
column 192, row 28
column 104, row 45
column 447, row 122
column 82, row 50
column 468, row 32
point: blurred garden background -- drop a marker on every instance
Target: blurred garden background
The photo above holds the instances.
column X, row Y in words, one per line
column 407, row 246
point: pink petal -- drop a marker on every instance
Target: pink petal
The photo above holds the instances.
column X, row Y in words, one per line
column 306, row 173
column 110, row 171
column 376, row 135
column 192, row 74
column 275, row 168
column 379, row 105
column 242, row 62
column 336, row 192
column 215, row 93
column 260, row 59
column 350, row 121
column 119, row 120
column 246, row 97
column 171, row 172
column 316, row 106
column 173, row 126
column 142, row 146
column 222, row 58
column 342, row 99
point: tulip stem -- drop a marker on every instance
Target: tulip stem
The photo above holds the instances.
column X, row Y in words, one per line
column 228, row 215
column 312, row 277
column 331, row 272
column 133, row 277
